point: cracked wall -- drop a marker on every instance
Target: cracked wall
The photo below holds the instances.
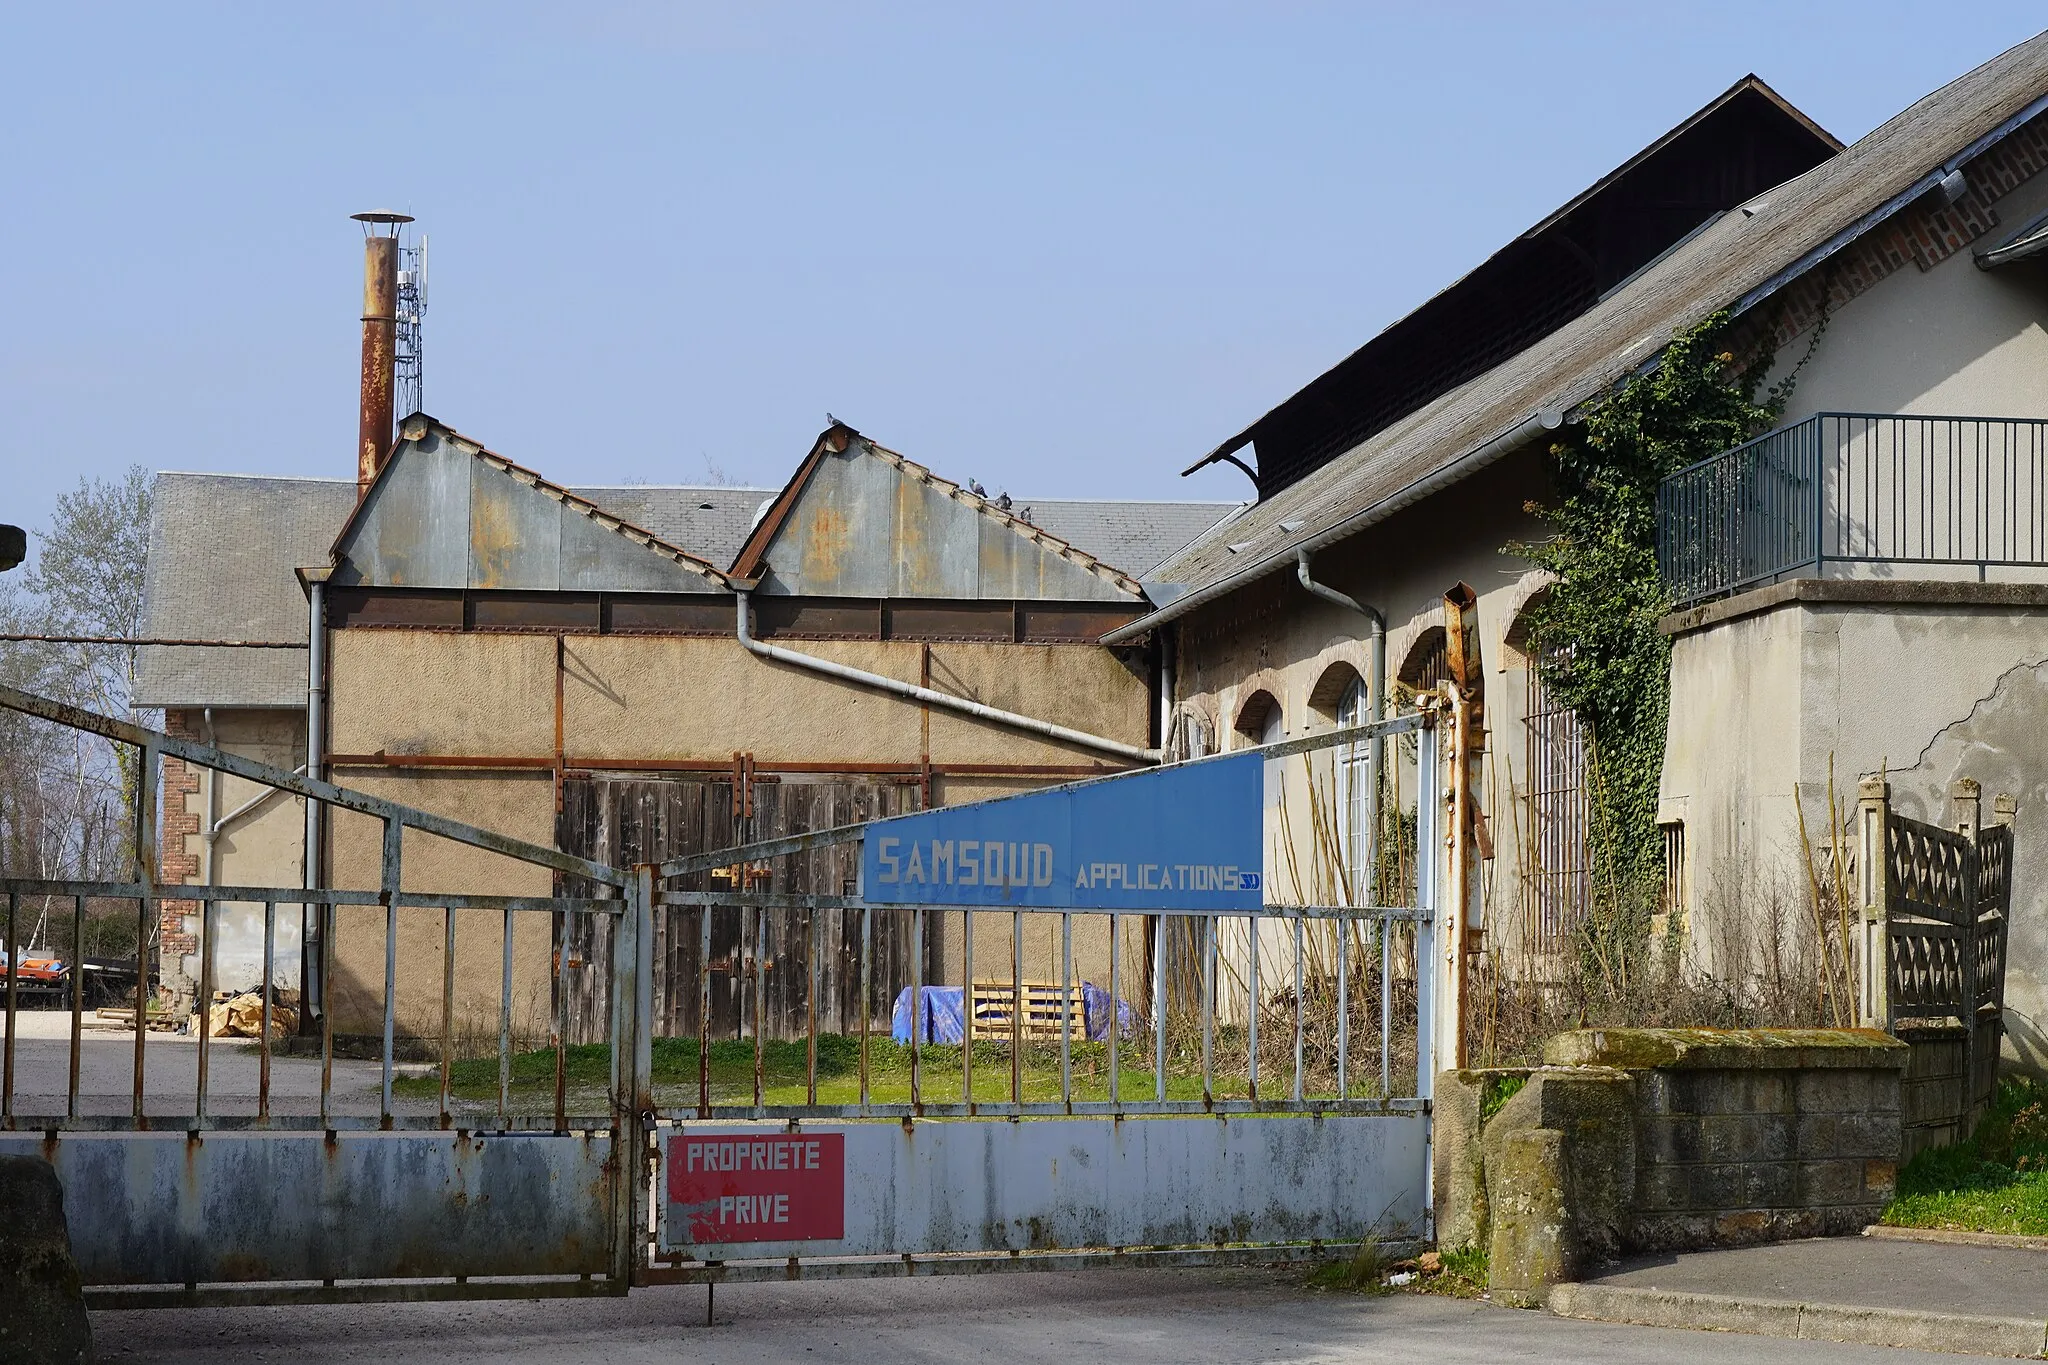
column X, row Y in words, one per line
column 1926, row 692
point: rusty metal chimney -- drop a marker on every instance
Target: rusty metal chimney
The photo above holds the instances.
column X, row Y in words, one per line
column 380, row 340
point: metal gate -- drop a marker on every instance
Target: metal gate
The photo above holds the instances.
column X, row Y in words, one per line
column 1085, row 1109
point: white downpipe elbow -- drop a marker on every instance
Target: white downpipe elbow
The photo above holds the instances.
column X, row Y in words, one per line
column 930, row 697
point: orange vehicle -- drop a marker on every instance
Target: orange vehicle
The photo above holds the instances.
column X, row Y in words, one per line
column 35, row 974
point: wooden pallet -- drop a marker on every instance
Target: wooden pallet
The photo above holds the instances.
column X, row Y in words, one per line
column 995, row 1005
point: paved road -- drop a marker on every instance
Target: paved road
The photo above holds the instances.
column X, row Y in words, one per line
column 1129, row 1317
column 171, row 1074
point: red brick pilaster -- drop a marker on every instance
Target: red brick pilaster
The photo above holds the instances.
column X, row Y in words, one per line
column 176, row 861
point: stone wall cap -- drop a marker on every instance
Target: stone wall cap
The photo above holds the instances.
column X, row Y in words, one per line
column 1712, row 1049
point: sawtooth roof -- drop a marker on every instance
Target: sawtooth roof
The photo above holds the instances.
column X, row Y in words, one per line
column 223, row 548
column 1734, row 262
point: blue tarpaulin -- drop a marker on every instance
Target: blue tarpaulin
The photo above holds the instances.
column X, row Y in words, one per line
column 943, row 1016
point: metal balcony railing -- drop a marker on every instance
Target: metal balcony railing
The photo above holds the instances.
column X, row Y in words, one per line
column 1856, row 489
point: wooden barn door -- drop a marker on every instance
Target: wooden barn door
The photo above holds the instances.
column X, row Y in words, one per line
column 628, row 820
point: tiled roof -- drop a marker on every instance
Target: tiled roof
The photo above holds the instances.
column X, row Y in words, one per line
column 1735, row 261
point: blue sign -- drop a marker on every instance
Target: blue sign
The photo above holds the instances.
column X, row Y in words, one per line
column 1177, row 838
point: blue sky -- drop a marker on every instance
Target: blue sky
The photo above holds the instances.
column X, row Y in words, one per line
column 1063, row 249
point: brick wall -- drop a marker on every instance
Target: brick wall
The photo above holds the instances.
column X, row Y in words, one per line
column 1923, row 234
column 178, row 855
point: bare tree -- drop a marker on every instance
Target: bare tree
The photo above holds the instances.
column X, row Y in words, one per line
column 63, row 794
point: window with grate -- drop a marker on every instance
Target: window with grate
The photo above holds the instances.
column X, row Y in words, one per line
column 1557, row 882
column 1673, row 898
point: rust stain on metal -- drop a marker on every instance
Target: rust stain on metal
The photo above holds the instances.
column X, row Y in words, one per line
column 380, row 330
column 827, row 542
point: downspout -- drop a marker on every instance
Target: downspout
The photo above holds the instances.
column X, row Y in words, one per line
column 931, row 697
column 1376, row 702
column 1166, row 661
column 313, row 990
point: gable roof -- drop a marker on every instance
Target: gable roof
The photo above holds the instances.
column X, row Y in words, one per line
column 851, row 498
column 519, row 530
column 1741, row 143
column 1736, row 262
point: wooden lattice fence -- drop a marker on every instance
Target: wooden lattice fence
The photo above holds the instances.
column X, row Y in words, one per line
column 1936, row 913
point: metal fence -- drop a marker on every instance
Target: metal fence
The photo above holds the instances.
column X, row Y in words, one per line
column 1290, row 1092
column 1856, row 489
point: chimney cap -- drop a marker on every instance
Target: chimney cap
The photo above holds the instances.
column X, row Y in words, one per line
column 381, row 216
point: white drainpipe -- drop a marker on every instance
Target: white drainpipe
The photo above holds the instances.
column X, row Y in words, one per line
column 928, row 696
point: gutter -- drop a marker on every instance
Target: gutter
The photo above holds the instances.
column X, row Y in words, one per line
column 1471, row 462
column 928, row 696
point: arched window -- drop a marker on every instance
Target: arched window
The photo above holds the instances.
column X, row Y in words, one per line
column 1259, row 718
column 1556, row 807
column 1428, row 662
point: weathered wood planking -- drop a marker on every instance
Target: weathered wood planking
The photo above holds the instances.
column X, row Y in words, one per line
column 623, row 821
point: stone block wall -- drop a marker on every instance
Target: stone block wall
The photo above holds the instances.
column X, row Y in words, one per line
column 1670, row 1139
column 1725, row 1156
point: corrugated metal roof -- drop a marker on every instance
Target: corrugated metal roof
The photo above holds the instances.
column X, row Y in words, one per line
column 1005, row 556
column 223, row 548
column 1736, row 260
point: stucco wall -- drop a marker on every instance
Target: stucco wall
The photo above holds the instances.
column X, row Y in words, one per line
column 1275, row 637
column 1925, row 692
column 1954, row 340
column 260, row 846
column 664, row 698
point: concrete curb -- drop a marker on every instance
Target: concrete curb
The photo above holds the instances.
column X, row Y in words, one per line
column 1884, row 1233
column 1954, row 1333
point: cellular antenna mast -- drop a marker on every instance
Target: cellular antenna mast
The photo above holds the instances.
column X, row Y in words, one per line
column 409, row 361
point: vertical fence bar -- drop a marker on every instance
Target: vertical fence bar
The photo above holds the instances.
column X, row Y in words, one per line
column 1067, row 1004
column 967, row 1020
column 760, row 1008
column 394, row 838
column 269, row 969
column 77, row 1002
column 326, row 916
column 560, row 1018
column 146, row 867
column 448, row 1005
column 1429, row 857
column 1159, row 1007
column 704, row 1013
column 206, row 945
column 505, row 1021
column 1208, row 1011
column 1343, row 1006
column 1386, row 1007
column 1016, row 1007
column 916, row 1006
column 1252, row 1006
column 1298, row 1058
column 811, row 1059
column 13, row 1002
column 1115, row 1058
column 867, row 943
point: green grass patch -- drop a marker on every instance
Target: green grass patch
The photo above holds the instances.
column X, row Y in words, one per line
column 1995, row 1181
column 784, row 1072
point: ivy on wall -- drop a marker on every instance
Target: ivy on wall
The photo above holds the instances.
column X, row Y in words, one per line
column 1594, row 633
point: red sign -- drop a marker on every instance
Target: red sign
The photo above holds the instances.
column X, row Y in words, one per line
column 743, row 1187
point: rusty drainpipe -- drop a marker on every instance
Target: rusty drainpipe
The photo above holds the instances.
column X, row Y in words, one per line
column 931, row 696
